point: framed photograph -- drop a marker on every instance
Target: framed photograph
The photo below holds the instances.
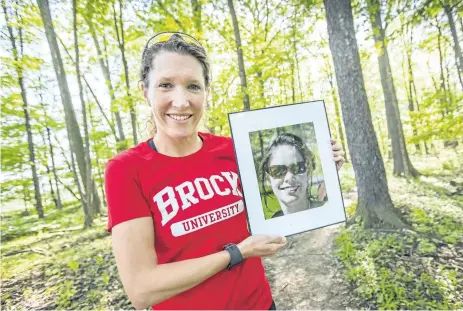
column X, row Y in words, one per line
column 285, row 162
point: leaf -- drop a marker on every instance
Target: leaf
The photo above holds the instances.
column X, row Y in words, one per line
column 73, row 265
column 105, row 278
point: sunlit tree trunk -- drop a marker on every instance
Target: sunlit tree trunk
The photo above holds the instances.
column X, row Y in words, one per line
column 121, row 44
column 402, row 163
column 30, row 141
column 242, row 72
column 411, row 85
column 334, row 94
column 374, row 203
column 75, row 138
column 47, row 141
column 88, row 183
column 105, row 69
column 456, row 44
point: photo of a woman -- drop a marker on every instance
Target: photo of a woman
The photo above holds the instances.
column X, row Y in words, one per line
column 289, row 171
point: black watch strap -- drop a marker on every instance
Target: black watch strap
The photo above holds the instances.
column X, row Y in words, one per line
column 235, row 255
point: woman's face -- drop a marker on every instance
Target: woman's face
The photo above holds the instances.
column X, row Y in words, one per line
column 288, row 175
column 177, row 94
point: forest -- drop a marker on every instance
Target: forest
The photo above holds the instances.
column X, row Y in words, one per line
column 389, row 72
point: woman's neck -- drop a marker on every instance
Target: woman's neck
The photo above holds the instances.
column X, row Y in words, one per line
column 177, row 147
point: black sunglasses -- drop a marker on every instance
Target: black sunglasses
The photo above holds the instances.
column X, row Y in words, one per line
column 279, row 171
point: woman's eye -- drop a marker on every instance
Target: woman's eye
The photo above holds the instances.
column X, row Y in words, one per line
column 194, row 87
column 164, row 85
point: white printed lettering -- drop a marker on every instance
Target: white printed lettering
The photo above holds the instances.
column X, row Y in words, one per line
column 207, row 219
column 186, row 197
column 162, row 205
column 217, row 190
column 232, row 179
column 207, row 185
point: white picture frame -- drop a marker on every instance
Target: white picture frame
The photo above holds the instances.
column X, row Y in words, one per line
column 278, row 176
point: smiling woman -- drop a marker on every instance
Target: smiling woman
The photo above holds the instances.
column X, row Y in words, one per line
column 288, row 165
column 179, row 229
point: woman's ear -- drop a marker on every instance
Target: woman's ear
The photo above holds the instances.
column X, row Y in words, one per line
column 145, row 90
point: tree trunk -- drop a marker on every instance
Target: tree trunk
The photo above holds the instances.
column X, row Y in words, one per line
column 50, row 182
column 443, row 88
column 411, row 83
column 337, row 111
column 59, row 205
column 242, row 72
column 402, row 164
column 88, row 164
column 72, row 168
column 456, row 44
column 47, row 141
column 75, row 138
column 30, row 141
column 105, row 69
column 374, row 203
column 25, row 199
column 121, row 43
column 296, row 58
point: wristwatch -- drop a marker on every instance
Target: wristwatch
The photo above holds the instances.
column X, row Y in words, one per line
column 235, row 255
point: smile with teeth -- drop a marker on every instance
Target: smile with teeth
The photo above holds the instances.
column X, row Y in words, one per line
column 290, row 188
column 178, row 117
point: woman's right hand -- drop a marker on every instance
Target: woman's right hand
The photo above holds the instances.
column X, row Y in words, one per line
column 261, row 245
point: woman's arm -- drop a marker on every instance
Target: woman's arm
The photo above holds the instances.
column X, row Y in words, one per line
column 147, row 283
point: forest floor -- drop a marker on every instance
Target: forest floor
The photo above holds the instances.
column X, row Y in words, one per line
column 53, row 264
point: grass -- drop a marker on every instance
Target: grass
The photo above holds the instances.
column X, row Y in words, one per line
column 67, row 268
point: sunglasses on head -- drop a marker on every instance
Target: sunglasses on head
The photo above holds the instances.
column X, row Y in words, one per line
column 279, row 171
column 165, row 36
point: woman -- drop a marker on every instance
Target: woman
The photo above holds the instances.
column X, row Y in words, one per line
column 288, row 166
column 175, row 204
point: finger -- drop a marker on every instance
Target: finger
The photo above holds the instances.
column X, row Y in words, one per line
column 339, row 153
column 339, row 158
column 276, row 239
column 337, row 147
column 273, row 248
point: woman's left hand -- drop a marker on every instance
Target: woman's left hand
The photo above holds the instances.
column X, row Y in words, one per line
column 338, row 153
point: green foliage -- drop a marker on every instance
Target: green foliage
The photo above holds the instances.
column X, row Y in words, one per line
column 385, row 281
column 408, row 270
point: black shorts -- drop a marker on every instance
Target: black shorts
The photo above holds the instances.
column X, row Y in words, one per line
column 273, row 307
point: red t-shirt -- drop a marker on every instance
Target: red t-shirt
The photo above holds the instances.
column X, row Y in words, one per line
column 197, row 207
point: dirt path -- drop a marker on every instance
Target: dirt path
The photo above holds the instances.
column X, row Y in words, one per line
column 305, row 274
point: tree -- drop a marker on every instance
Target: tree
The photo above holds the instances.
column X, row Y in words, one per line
column 90, row 15
column 20, row 80
column 412, row 96
column 448, row 8
column 89, row 181
column 47, row 141
column 402, row 163
column 121, row 43
column 75, row 138
column 334, row 94
column 374, row 202
column 239, row 51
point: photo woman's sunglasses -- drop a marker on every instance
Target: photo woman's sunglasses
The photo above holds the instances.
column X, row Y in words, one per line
column 279, row 171
column 165, row 36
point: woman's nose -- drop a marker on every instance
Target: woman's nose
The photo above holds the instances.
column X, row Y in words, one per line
column 180, row 99
column 288, row 176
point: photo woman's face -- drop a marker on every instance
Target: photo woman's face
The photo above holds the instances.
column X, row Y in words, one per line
column 288, row 175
